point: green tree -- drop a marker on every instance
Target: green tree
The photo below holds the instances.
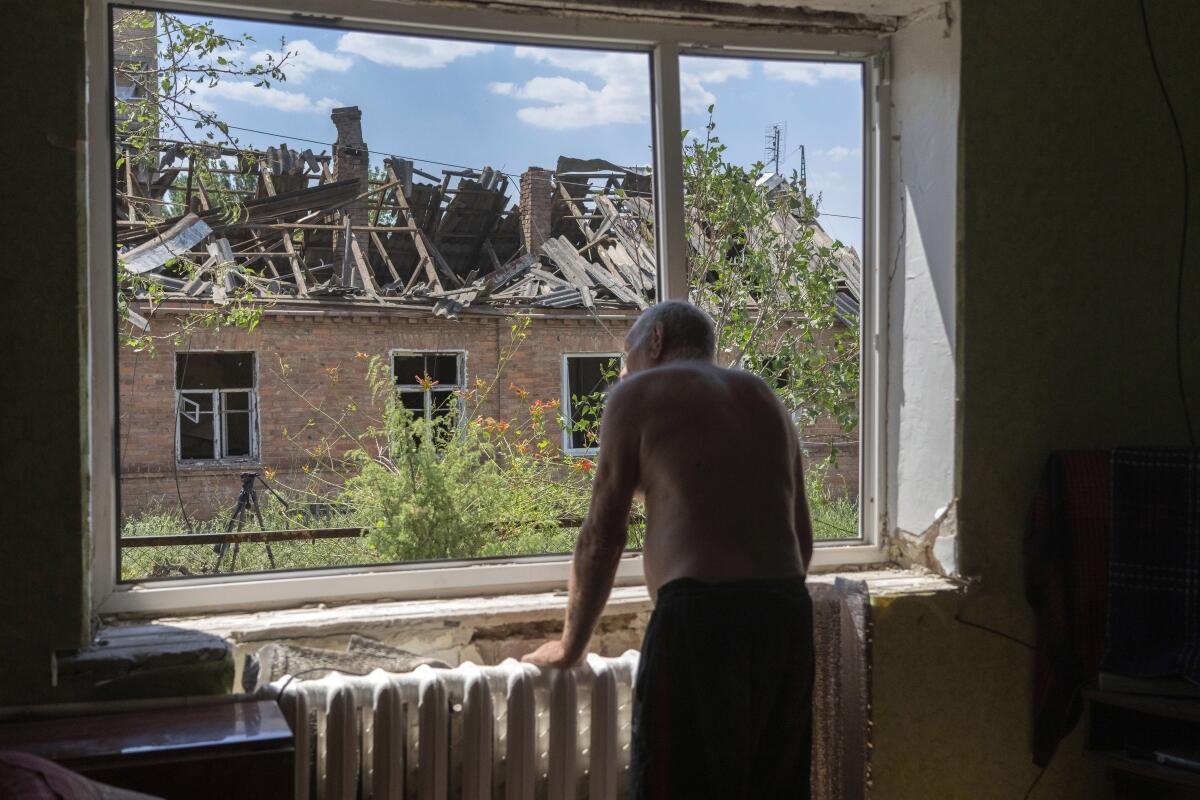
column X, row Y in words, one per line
column 160, row 64
column 757, row 267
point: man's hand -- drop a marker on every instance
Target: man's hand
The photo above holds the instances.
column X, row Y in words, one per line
column 551, row 654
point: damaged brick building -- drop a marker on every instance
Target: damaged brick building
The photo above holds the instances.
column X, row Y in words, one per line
column 340, row 264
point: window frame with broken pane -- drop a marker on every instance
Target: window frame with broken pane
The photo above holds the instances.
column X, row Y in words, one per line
column 568, row 401
column 663, row 41
column 428, row 407
column 219, row 411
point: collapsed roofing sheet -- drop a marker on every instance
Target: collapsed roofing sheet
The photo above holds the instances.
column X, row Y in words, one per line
column 278, row 224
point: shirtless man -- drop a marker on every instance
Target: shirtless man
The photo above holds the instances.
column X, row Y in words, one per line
column 722, row 705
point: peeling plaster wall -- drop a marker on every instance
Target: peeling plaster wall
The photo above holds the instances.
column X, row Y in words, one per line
column 924, row 121
column 1069, row 217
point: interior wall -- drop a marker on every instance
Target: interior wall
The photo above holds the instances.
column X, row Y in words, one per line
column 1069, row 214
column 42, row 475
column 921, row 263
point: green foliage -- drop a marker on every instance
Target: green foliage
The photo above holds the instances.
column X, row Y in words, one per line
column 165, row 60
column 587, row 409
column 171, row 59
column 768, row 285
column 441, row 488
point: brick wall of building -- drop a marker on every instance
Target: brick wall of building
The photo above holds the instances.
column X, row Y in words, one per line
column 312, row 368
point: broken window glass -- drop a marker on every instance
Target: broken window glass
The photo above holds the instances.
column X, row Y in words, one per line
column 428, row 382
column 197, row 431
column 235, row 425
column 214, row 371
column 588, row 378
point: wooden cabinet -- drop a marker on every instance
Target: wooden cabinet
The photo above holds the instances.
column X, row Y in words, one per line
column 1125, row 731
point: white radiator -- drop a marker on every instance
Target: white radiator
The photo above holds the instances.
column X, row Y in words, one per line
column 509, row 732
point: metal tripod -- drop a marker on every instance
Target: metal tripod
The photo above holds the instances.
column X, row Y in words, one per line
column 248, row 498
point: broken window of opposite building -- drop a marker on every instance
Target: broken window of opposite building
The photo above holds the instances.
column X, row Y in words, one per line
column 217, row 402
column 430, row 383
column 586, row 379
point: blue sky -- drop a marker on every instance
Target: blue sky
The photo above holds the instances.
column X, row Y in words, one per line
column 509, row 107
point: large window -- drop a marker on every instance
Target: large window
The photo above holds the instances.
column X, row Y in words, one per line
column 361, row 251
column 218, row 407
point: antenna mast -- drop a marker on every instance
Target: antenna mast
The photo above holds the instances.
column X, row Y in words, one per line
column 775, row 145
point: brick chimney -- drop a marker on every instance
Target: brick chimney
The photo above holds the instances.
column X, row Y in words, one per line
column 350, row 161
column 536, row 201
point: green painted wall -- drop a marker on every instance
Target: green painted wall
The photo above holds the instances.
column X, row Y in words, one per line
column 1069, row 218
column 42, row 481
column 1069, row 221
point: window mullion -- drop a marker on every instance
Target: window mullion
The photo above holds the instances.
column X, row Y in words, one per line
column 668, row 173
column 218, row 418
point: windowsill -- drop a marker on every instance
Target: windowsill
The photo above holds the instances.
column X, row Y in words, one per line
column 322, row 619
column 481, row 629
column 218, row 463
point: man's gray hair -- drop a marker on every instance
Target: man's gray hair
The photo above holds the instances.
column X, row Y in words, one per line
column 688, row 332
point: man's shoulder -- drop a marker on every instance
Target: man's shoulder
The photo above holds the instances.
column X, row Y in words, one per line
column 687, row 377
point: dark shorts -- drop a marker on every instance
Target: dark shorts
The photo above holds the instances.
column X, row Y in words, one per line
column 723, row 699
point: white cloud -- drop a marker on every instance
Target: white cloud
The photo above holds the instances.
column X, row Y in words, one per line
column 811, row 73
column 623, row 81
column 697, row 73
column 304, row 59
column 408, row 52
column 841, row 153
column 563, row 103
column 264, row 96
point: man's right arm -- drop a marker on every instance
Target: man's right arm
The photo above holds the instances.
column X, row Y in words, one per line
column 603, row 535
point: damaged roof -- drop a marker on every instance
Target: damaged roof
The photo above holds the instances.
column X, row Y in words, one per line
column 406, row 237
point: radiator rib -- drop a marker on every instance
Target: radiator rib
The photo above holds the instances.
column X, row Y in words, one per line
column 510, row 731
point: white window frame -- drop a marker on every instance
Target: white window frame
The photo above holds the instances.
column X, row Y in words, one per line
column 565, row 402
column 663, row 42
column 461, row 369
column 219, row 456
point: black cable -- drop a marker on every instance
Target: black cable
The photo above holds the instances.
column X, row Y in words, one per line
column 994, row 632
column 1036, row 781
column 1183, row 240
column 187, row 522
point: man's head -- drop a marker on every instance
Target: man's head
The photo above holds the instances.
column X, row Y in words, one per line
column 669, row 331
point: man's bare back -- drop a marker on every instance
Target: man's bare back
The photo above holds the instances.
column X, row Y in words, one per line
column 717, row 463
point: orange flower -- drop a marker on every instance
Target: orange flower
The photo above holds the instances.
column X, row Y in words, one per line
column 502, row 426
column 426, row 382
column 522, row 446
column 521, row 393
column 361, row 356
column 270, row 473
column 584, row 465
